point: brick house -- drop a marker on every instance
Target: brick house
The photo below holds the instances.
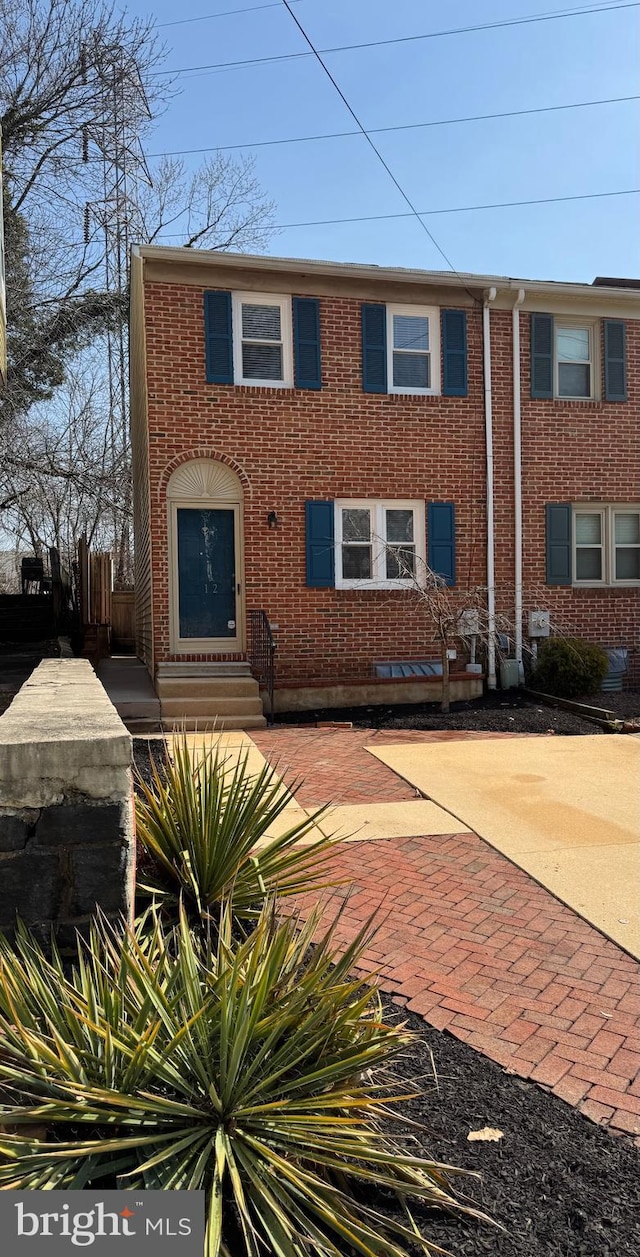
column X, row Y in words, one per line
column 289, row 414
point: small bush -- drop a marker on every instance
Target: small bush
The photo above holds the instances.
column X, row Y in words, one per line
column 569, row 667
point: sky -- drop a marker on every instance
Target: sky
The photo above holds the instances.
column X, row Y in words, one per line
column 575, row 152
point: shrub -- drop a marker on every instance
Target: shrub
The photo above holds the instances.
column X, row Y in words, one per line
column 204, row 821
column 255, row 1072
column 569, row 667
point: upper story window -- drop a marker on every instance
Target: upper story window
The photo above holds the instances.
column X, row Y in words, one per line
column 262, row 340
column 413, row 349
column 566, row 359
column 574, row 360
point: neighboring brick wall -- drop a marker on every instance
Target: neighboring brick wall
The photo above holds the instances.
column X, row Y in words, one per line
column 288, row 445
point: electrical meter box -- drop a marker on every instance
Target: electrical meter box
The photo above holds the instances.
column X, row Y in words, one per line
column 539, row 623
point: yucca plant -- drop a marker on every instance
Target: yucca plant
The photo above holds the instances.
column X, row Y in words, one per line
column 203, row 822
column 258, row 1072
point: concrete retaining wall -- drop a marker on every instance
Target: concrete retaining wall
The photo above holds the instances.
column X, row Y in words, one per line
column 66, row 803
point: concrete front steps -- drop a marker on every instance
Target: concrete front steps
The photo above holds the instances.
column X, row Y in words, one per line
column 198, row 695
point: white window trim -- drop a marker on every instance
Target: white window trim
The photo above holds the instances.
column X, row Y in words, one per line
column 286, row 328
column 432, row 313
column 593, row 327
column 377, row 507
column 608, row 513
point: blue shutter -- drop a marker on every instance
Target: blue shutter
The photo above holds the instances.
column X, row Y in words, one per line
column 320, row 545
column 454, row 353
column 374, row 349
column 541, row 355
column 615, row 370
column 441, row 538
column 217, row 333
column 558, row 543
column 306, row 342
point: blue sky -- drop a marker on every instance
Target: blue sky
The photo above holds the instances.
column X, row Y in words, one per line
column 588, row 57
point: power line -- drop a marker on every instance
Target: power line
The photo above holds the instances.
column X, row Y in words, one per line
column 405, row 196
column 454, row 209
column 206, row 17
column 404, row 39
column 460, row 209
column 407, row 126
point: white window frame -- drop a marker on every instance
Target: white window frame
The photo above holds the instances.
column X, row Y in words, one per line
column 607, row 513
column 568, row 325
column 431, row 313
column 263, row 299
column 377, row 508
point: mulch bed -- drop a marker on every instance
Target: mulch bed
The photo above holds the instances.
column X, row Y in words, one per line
column 504, row 711
column 560, row 1185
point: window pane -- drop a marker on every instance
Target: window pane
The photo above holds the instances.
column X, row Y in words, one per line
column 574, row 380
column 401, row 562
column 628, row 564
column 627, row 529
column 356, row 562
column 260, row 322
column 588, row 564
column 572, row 344
column 588, row 529
column 411, row 370
column 262, row 362
column 410, row 332
column 356, row 524
column 399, row 525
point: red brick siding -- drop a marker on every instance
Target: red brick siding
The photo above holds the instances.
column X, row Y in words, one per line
column 288, row 445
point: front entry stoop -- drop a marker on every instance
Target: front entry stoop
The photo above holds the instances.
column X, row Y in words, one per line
column 197, row 695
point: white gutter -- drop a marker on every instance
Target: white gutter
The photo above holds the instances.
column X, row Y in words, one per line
column 489, row 296
column 517, row 473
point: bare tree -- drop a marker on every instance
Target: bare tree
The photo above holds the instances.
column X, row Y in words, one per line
column 81, row 87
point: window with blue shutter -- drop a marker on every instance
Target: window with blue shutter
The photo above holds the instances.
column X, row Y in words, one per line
column 218, row 337
column 615, row 372
column 541, row 355
column 441, row 540
column 320, row 545
column 558, row 519
column 374, row 348
column 306, row 342
column 454, row 353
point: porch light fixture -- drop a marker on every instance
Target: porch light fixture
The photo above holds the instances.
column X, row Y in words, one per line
column 272, row 519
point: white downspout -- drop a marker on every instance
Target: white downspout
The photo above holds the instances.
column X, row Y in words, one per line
column 517, row 475
column 489, row 296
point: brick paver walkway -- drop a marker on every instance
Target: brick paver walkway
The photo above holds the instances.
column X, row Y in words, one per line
column 335, row 767
column 474, row 945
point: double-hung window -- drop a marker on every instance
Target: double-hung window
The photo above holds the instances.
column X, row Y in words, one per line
column 606, row 545
column 379, row 544
column 413, row 349
column 574, row 360
column 262, row 340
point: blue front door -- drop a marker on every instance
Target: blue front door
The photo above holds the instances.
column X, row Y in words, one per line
column 206, row 573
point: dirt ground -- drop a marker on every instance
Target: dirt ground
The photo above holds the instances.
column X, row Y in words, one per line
column 504, row 711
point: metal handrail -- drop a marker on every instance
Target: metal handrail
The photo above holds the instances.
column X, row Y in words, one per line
column 262, row 649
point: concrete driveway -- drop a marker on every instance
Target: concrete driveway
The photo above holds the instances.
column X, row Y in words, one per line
column 566, row 810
